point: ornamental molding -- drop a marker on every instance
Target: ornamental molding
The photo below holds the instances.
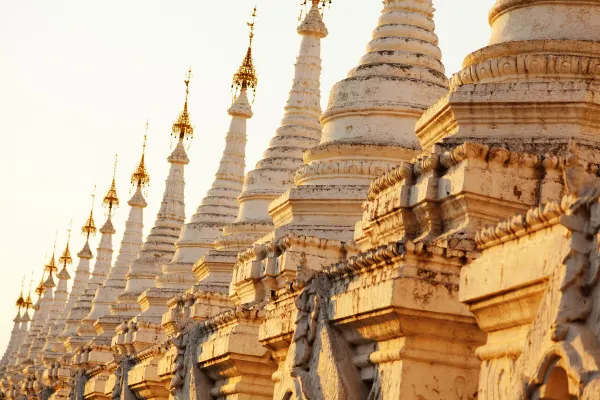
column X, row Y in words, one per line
column 387, row 253
column 342, row 167
column 525, row 66
column 407, row 172
column 247, row 312
column 519, row 225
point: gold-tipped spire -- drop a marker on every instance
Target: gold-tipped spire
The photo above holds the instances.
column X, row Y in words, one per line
column 319, row 3
column 51, row 268
column 89, row 229
column 140, row 176
column 65, row 259
column 182, row 128
column 28, row 301
column 21, row 300
column 246, row 76
column 111, row 200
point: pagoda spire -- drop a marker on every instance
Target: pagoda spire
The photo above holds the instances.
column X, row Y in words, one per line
column 16, row 331
column 219, row 207
column 61, row 293
column 40, row 326
column 85, row 330
column 299, row 130
column 51, row 268
column 368, row 127
column 182, row 128
column 106, row 296
column 80, row 281
column 159, row 244
column 246, row 77
column 140, row 178
column 40, row 309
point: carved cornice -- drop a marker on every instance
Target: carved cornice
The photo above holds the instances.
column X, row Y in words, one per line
column 151, row 352
column 248, row 312
column 387, row 253
column 342, row 167
column 525, row 66
column 389, row 179
column 406, row 172
column 519, row 225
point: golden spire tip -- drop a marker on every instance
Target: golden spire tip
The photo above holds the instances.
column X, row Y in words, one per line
column 89, row 229
column 182, row 128
column 140, row 176
column 246, row 76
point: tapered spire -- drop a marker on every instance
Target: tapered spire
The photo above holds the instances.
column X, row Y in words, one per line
column 182, row 128
column 28, row 348
column 159, row 244
column 65, row 259
column 51, row 268
column 219, row 207
column 71, row 318
column 140, row 177
column 89, row 228
column 85, row 330
column 55, row 323
column 67, row 321
column 106, row 296
column 111, row 200
column 299, row 130
column 21, row 300
column 246, row 76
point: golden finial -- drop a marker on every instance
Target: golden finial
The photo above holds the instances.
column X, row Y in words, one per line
column 246, row 76
column 140, row 176
column 21, row 300
column 319, row 3
column 65, row 259
column 182, row 128
column 89, row 229
column 39, row 290
column 111, row 200
column 51, row 267
column 28, row 301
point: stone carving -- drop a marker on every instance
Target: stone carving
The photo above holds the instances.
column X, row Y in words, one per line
column 77, row 385
column 345, row 167
column 319, row 362
column 189, row 382
column 527, row 65
column 121, row 390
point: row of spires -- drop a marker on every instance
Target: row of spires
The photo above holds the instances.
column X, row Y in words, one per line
column 245, row 78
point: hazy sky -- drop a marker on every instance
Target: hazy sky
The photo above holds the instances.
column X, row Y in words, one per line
column 78, row 80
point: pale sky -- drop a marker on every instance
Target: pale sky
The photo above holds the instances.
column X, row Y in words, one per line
column 78, row 80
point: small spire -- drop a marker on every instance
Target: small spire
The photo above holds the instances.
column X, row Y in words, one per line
column 28, row 301
column 89, row 229
column 21, row 300
column 65, row 259
column 319, row 4
column 140, row 177
column 111, row 200
column 182, row 128
column 51, row 267
column 246, row 76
